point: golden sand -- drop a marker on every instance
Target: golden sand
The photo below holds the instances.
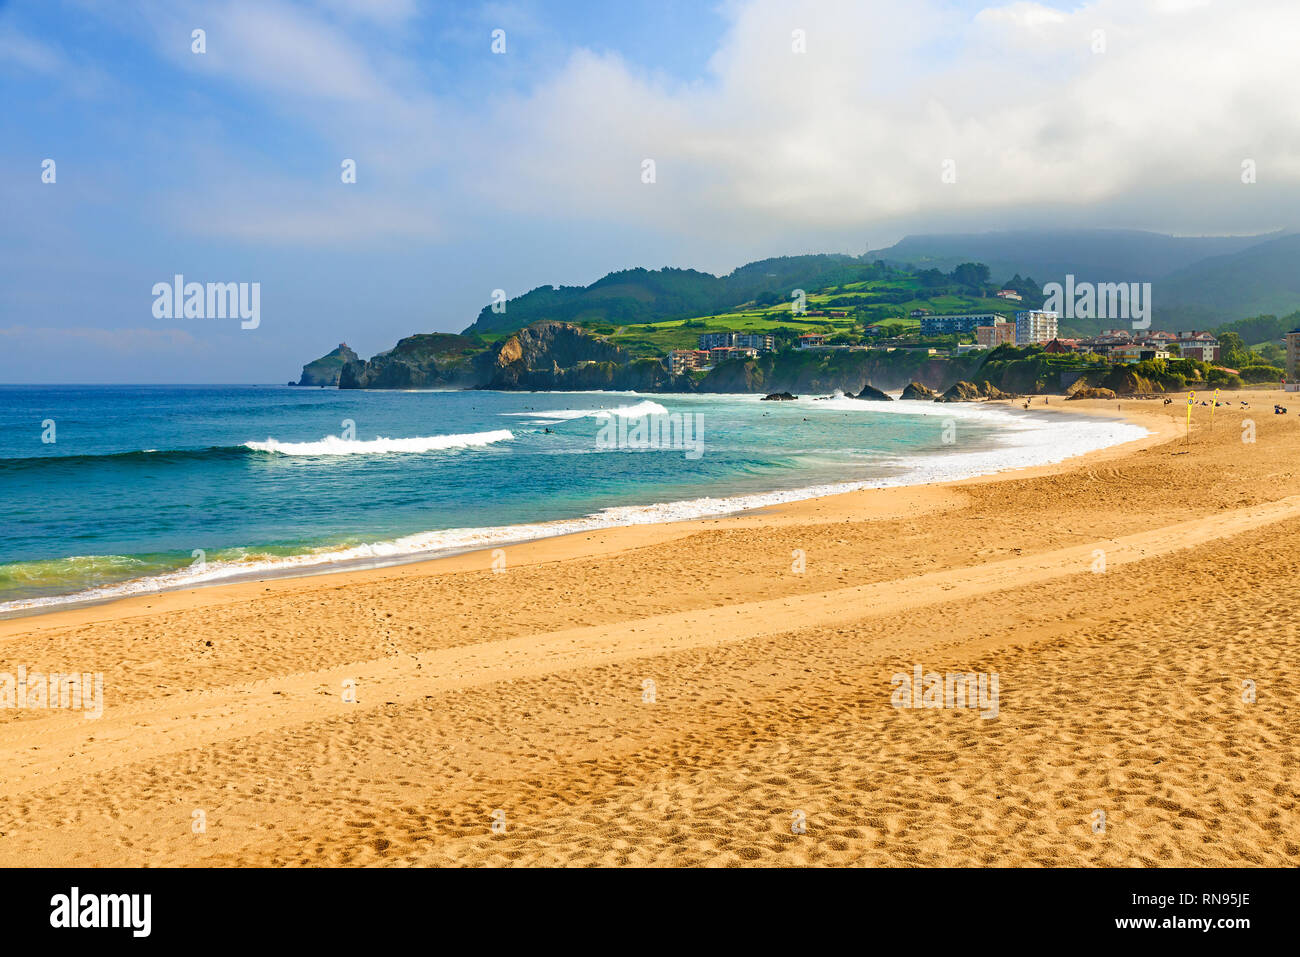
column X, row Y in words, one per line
column 524, row 692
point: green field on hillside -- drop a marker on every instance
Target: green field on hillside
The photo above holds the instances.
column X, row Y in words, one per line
column 861, row 301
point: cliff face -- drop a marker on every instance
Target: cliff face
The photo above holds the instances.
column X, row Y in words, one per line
column 559, row 355
column 544, row 356
column 552, row 356
column 325, row 370
column 812, row 372
column 543, row 352
column 426, row 361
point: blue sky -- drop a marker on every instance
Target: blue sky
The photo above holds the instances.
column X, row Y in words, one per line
column 479, row 171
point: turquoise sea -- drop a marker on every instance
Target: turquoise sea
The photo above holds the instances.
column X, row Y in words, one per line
column 111, row 490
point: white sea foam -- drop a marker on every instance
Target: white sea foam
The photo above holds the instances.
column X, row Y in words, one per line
column 1022, row 440
column 637, row 410
column 335, row 445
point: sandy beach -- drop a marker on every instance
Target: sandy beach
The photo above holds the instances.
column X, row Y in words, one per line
column 718, row 692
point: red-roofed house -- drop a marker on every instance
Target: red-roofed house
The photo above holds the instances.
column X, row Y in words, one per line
column 1062, row 345
column 1198, row 345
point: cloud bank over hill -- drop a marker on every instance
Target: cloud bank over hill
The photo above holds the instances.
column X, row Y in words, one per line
column 775, row 128
column 1143, row 109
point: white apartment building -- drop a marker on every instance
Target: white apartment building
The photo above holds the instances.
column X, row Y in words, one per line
column 1035, row 327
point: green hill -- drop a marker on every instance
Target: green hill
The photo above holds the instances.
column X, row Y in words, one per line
column 649, row 312
column 842, row 310
column 1262, row 279
column 645, row 295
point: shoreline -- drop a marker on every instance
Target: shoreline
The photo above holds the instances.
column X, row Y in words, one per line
column 769, row 686
column 565, row 544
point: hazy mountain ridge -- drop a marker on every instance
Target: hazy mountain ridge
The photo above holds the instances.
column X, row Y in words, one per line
column 1261, row 279
column 1197, row 282
column 1092, row 255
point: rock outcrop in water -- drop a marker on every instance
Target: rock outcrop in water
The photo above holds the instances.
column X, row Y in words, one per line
column 427, row 361
column 971, row 392
column 325, row 370
column 915, row 390
column 961, row 392
column 873, row 394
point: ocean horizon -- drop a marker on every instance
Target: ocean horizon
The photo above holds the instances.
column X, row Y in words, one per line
column 108, row 491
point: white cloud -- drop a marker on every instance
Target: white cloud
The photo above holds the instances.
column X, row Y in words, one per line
column 858, row 127
column 29, row 54
column 276, row 48
column 1024, row 16
column 857, row 130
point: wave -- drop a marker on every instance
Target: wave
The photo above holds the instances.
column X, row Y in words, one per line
column 1039, row 440
column 138, row 457
column 637, row 410
column 336, row 445
column 329, row 445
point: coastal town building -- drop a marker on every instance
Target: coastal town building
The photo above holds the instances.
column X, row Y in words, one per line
column 712, row 340
column 963, row 323
column 1061, row 346
column 1103, row 344
column 1008, row 294
column 759, row 341
column 1031, row 327
column 1122, row 345
column 918, row 313
column 1292, row 354
column 685, row 360
column 1035, row 326
column 1138, row 352
column 998, row 333
column 1198, row 345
